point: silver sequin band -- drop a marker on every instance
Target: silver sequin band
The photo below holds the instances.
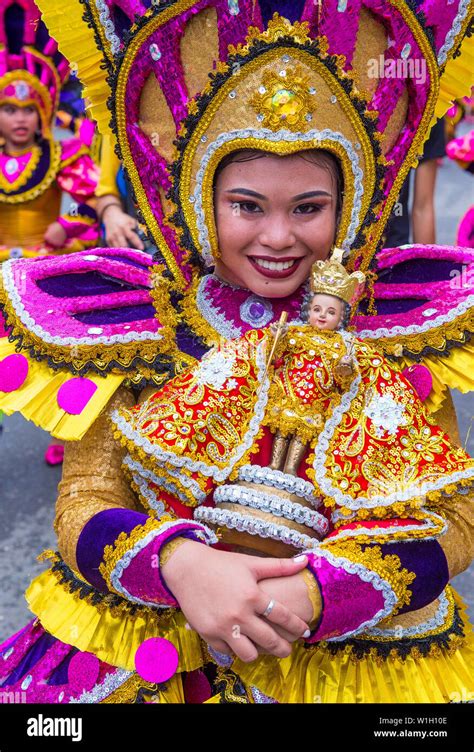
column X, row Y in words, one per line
column 253, row 526
column 256, row 499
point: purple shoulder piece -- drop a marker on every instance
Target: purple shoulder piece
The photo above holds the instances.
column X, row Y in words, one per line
column 94, row 307
column 424, row 299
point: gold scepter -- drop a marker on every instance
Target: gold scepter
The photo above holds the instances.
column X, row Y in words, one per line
column 278, row 333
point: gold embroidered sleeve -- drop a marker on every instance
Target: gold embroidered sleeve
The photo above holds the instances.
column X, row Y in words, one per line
column 92, row 479
column 458, row 541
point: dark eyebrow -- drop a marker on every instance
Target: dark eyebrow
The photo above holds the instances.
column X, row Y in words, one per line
column 311, row 194
column 300, row 197
column 247, row 192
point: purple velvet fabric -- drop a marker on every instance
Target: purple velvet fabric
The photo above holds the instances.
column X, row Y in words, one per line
column 116, row 315
column 101, row 531
column 427, row 560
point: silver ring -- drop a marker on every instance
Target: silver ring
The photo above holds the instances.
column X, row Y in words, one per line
column 269, row 608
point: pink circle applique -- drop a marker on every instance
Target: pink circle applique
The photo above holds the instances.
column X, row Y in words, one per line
column 83, row 671
column 74, row 395
column 13, row 372
column 156, row 660
column 421, row 380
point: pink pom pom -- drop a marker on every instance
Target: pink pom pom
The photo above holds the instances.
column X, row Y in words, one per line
column 13, row 372
column 74, row 395
column 421, row 380
column 83, row 671
column 156, row 660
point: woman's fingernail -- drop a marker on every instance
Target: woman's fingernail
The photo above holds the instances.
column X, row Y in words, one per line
column 307, row 633
column 299, row 558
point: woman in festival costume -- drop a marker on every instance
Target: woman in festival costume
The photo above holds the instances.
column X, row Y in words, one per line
column 34, row 169
column 123, row 567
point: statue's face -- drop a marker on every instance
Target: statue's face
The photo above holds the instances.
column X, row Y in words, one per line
column 325, row 312
column 275, row 217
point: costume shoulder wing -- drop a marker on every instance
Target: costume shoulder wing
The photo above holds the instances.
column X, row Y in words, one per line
column 425, row 312
column 75, row 328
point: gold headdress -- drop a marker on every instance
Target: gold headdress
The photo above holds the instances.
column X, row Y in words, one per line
column 331, row 278
column 361, row 79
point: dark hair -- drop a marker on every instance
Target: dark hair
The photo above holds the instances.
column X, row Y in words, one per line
column 321, row 157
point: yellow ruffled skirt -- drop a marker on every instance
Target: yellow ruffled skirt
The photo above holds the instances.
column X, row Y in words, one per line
column 310, row 675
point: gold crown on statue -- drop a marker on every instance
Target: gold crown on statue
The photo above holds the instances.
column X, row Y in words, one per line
column 331, row 278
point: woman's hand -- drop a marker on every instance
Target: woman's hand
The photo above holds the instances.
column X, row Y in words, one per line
column 220, row 594
column 291, row 591
column 120, row 228
column 55, row 235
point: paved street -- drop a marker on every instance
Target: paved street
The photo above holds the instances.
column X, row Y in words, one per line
column 28, row 486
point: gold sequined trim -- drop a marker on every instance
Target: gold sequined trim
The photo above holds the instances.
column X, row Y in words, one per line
column 124, row 543
column 178, row 8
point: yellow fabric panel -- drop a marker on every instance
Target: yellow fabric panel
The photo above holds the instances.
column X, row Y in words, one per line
column 109, row 166
column 455, row 371
column 36, row 399
column 456, row 82
column 316, row 676
column 114, row 638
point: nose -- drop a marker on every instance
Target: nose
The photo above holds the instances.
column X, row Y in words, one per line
column 277, row 233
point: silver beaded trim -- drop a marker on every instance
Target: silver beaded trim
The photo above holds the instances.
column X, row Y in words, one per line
column 165, row 457
column 30, row 324
column 217, row 320
column 108, row 26
column 143, row 475
column 366, row 575
column 453, row 31
column 111, row 683
column 264, row 134
column 254, row 526
column 458, row 310
column 282, row 481
column 207, row 536
column 418, row 629
column 256, row 499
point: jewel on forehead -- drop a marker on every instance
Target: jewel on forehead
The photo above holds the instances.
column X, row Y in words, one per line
column 341, row 6
column 234, row 9
column 22, row 90
column 291, row 102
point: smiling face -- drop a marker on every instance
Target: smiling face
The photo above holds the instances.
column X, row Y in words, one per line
column 18, row 125
column 275, row 216
column 325, row 312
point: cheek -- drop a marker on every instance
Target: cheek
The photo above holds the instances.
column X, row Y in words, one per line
column 233, row 232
